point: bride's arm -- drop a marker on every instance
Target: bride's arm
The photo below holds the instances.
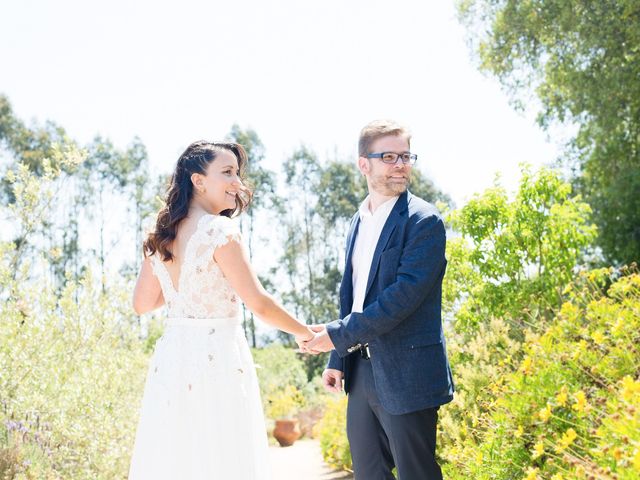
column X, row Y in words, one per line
column 234, row 263
column 147, row 295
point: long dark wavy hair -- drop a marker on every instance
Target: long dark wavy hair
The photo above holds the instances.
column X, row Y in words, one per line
column 195, row 159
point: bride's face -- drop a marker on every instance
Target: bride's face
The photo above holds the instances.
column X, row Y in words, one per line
column 221, row 183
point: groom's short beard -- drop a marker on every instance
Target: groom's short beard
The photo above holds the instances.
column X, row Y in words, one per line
column 382, row 185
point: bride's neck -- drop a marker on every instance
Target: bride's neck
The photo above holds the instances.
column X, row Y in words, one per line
column 196, row 209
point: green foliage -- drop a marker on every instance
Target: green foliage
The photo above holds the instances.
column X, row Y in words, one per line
column 30, row 146
column 30, row 207
column 582, row 60
column 72, row 374
column 332, row 434
column 285, row 403
column 515, row 256
column 279, row 368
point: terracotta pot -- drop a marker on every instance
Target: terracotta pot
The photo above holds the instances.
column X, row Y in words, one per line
column 286, row 432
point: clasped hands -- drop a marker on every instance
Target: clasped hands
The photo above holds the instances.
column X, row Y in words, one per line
column 318, row 340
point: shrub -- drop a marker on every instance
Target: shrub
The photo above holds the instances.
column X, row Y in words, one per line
column 332, row 434
column 278, row 368
column 570, row 407
column 72, row 376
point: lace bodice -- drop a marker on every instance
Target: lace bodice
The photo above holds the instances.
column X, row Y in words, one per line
column 202, row 290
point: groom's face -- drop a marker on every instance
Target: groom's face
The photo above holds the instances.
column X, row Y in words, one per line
column 386, row 179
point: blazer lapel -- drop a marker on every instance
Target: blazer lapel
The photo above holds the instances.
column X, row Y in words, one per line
column 390, row 225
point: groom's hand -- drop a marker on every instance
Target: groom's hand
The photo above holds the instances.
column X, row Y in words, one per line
column 332, row 380
column 302, row 340
column 321, row 342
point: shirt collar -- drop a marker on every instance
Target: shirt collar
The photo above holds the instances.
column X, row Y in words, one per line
column 383, row 209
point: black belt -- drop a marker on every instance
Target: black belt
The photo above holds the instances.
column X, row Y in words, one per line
column 364, row 351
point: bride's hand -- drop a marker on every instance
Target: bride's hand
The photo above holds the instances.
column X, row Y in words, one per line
column 302, row 340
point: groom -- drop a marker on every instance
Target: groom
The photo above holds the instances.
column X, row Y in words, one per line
column 388, row 345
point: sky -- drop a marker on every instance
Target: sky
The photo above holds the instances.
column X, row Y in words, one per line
column 296, row 72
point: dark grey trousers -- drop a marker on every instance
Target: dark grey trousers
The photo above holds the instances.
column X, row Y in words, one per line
column 379, row 441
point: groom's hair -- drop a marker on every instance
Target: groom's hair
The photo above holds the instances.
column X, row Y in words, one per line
column 380, row 128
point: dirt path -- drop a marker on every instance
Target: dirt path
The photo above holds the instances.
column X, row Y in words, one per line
column 302, row 461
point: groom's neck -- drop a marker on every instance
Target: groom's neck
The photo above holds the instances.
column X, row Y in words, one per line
column 376, row 199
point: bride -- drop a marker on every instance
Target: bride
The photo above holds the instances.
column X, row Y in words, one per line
column 201, row 415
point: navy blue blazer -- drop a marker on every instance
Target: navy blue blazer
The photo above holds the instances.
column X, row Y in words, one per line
column 401, row 318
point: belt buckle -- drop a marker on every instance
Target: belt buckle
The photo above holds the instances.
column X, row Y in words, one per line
column 365, row 352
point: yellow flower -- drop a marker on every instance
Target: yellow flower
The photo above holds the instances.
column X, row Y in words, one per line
column 527, row 363
column 581, row 401
column 519, row 431
column 567, row 439
column 580, row 472
column 562, row 397
column 598, row 337
column 630, row 388
column 557, row 476
column 532, row 474
column 636, row 460
column 479, row 458
column 545, row 413
column 538, row 450
column 617, row 453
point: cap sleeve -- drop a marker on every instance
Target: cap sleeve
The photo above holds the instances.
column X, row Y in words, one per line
column 219, row 230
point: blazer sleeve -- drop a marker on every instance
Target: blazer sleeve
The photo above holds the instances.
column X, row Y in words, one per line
column 335, row 362
column 421, row 265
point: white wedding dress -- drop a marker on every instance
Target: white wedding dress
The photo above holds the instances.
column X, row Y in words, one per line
column 201, row 415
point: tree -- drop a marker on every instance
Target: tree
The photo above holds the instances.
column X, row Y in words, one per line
column 582, row 60
column 29, row 146
column 517, row 254
column 111, row 177
column 262, row 181
column 100, row 178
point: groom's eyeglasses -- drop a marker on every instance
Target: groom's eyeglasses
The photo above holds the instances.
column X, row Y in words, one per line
column 391, row 158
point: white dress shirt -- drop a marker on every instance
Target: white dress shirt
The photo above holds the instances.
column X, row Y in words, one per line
column 365, row 245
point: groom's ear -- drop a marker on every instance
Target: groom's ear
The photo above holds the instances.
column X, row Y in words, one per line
column 363, row 165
